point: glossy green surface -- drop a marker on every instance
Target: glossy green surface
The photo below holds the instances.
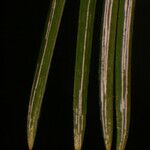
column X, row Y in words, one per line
column 82, row 66
column 43, row 65
column 107, row 69
column 123, row 71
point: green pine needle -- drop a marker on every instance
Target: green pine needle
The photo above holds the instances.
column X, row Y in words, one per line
column 123, row 71
column 43, row 65
column 107, row 69
column 83, row 55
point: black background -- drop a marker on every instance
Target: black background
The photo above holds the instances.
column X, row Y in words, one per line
column 21, row 28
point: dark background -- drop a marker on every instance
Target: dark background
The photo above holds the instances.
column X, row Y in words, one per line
column 21, row 28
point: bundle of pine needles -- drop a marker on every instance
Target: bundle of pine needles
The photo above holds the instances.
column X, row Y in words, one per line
column 114, row 69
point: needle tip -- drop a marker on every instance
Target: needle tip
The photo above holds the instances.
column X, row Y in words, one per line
column 30, row 139
column 77, row 142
